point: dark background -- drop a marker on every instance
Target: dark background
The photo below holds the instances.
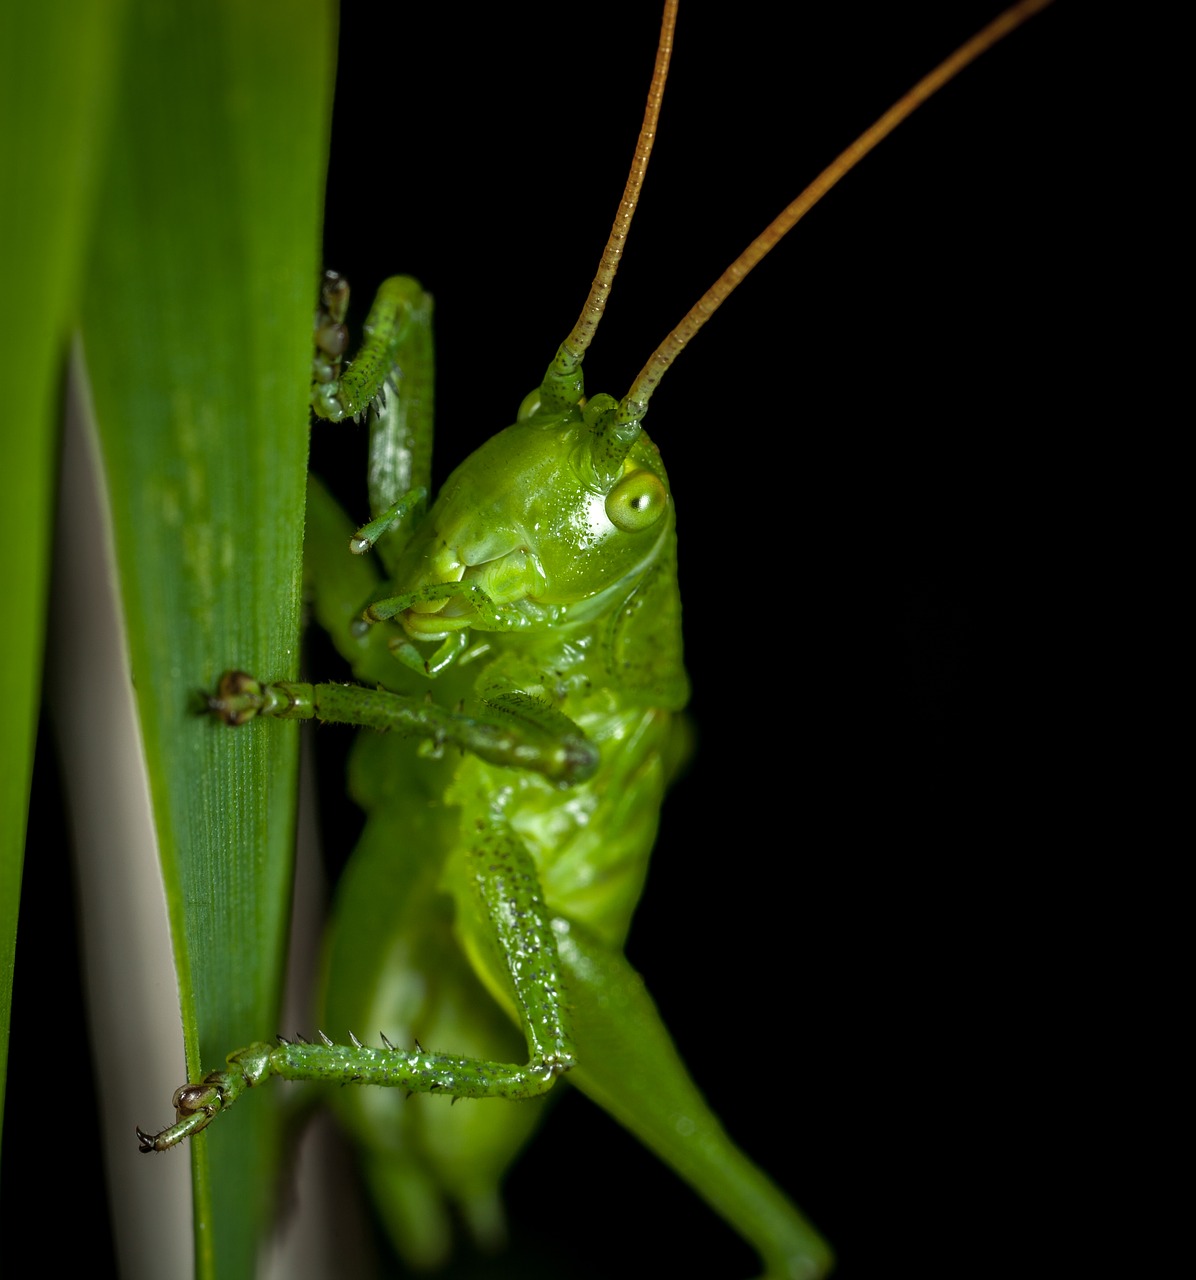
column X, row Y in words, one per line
column 862, row 446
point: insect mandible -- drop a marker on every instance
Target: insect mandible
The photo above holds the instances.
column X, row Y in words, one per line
column 735, row 602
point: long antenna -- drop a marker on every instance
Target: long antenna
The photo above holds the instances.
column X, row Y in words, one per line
column 635, row 404
column 562, row 386
column 583, row 331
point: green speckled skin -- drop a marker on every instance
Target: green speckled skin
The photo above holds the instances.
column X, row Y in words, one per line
column 522, row 644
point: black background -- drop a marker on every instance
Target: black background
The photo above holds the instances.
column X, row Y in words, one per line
column 861, row 446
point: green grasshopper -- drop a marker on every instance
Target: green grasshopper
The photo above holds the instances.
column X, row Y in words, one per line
column 518, row 723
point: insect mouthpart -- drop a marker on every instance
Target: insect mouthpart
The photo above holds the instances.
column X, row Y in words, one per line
column 495, row 594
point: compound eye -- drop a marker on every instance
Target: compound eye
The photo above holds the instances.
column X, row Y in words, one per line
column 636, row 502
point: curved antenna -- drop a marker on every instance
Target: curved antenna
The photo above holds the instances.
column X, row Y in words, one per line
column 635, row 403
column 562, row 379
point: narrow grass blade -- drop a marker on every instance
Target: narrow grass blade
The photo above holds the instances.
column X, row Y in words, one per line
column 197, row 335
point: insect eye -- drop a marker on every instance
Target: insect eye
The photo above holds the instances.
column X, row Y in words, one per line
column 636, row 502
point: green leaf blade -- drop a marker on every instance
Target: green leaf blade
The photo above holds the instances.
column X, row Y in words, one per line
column 197, row 336
column 56, row 68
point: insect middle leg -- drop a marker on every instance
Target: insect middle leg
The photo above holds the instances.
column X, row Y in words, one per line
column 493, row 733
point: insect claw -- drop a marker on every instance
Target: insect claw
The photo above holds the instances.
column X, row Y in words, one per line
column 334, row 293
column 356, row 1043
column 238, row 698
column 323, row 1037
column 145, row 1141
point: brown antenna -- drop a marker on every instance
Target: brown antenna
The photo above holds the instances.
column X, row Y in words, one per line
column 635, row 404
column 583, row 331
column 562, row 376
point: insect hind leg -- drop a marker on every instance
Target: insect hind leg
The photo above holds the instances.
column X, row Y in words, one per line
column 514, row 925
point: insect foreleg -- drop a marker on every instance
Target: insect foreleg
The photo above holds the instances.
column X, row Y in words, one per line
column 390, row 380
column 400, row 309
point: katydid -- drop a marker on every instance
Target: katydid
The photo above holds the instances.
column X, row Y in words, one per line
column 556, row 670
